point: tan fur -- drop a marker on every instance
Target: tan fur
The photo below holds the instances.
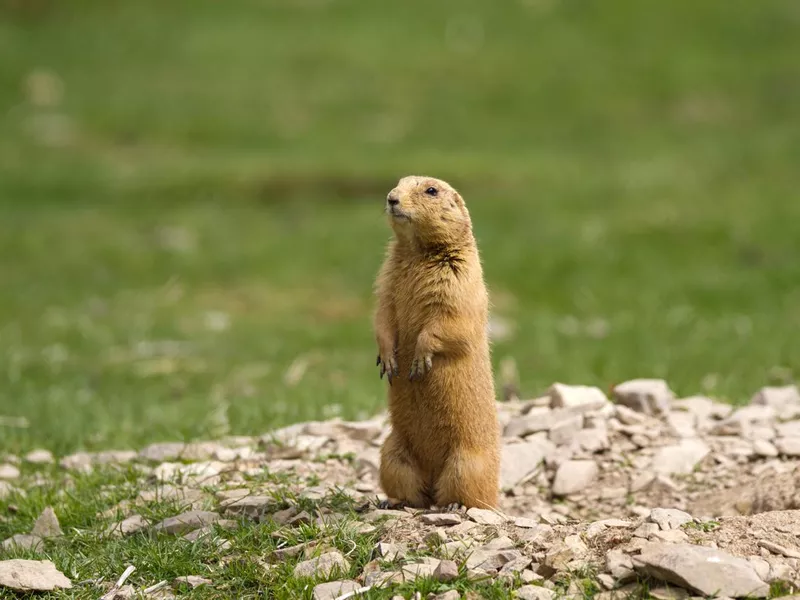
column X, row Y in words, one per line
column 430, row 326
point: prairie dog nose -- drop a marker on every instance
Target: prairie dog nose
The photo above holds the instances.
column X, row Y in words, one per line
column 393, row 201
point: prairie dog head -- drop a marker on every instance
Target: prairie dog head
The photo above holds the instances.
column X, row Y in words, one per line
column 427, row 209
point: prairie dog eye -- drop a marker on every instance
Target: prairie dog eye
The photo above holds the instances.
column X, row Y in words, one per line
column 431, row 191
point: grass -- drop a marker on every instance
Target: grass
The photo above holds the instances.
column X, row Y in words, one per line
column 238, row 562
column 190, row 227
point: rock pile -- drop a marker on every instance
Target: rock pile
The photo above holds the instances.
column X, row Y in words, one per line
column 686, row 492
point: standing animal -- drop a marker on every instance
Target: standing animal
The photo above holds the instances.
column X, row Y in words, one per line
column 431, row 330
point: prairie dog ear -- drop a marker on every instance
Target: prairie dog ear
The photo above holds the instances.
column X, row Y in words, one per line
column 459, row 200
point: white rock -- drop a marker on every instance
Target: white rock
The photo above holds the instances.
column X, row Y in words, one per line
column 186, row 522
column 129, row 526
column 322, row 566
column 47, row 526
column 789, row 446
column 573, row 476
column 682, row 424
column 765, row 449
column 39, row 457
column 249, row 506
column 745, row 418
column 32, row 576
column 446, row 570
column 788, row 429
column 80, row 461
column 564, row 431
column 485, row 517
column 518, row 461
column 669, row 518
column 620, row 566
column 671, row 536
column 648, row 396
column 538, row 419
column 704, row 570
column 193, row 581
column 535, row 592
column 441, row 519
column 579, row 398
column 777, row 397
column 680, row 458
column 6, row 489
column 593, row 439
column 334, row 589
column 8, row 472
column 23, row 541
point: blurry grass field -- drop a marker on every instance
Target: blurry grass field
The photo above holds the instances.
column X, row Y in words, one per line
column 191, row 199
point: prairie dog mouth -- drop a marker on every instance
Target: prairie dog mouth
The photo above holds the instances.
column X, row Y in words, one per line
column 396, row 213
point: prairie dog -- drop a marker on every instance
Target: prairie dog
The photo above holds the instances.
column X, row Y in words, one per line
column 431, row 329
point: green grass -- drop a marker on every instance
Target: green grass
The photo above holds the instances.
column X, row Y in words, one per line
column 244, row 567
column 201, row 208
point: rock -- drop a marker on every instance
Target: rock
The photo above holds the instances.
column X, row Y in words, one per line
column 596, row 528
column 193, row 581
column 668, row 593
column 436, row 537
column 671, row 536
column 6, row 489
column 647, row 396
column 573, row 476
column 300, row 519
column 579, row 398
column 538, row 419
column 765, row 449
column 128, row 526
column 562, row 432
column 681, row 458
column 535, row 592
column 645, row 530
column 449, row 595
column 39, row 457
column 424, row 568
column 334, row 589
column 47, row 525
column 682, row 424
column 186, row 522
column 23, row 541
column 249, row 506
column 704, row 570
column 8, row 472
column 778, row 549
column 197, row 473
column 485, row 517
column 446, row 570
column 392, row 552
column 788, row 446
column 788, row 429
column 515, row 566
column 526, row 523
column 592, row 439
column 441, row 519
column 777, row 397
column 162, row 452
column 488, row 559
column 32, row 576
column 518, row 461
column 743, row 419
column 80, row 461
column 669, row 518
column 620, row 566
column 322, row 566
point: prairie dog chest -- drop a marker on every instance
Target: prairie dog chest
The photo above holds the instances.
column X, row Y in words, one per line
column 422, row 291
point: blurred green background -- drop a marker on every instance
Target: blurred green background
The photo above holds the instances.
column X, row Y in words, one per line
column 191, row 199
